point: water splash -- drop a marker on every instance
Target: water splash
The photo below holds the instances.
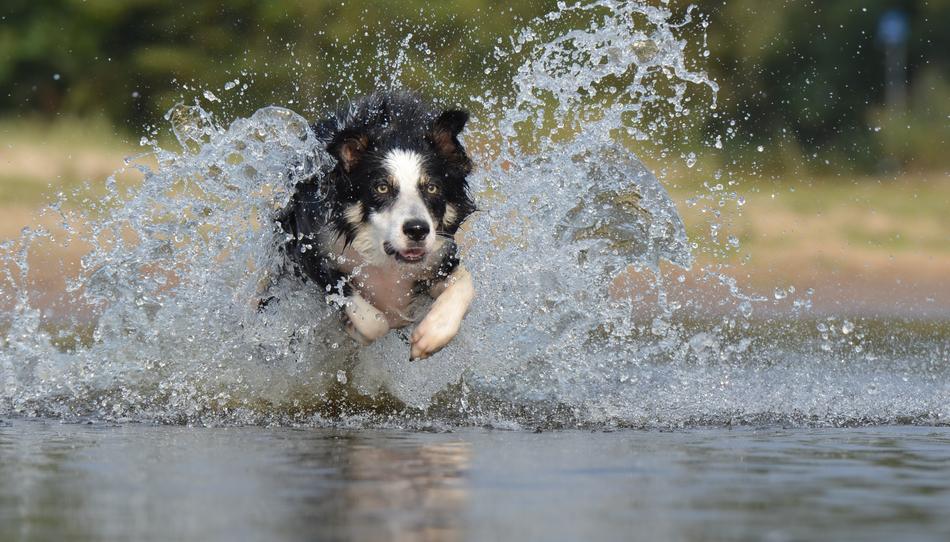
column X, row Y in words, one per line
column 557, row 335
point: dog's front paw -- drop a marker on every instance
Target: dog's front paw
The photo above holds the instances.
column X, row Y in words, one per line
column 435, row 331
column 363, row 321
column 353, row 332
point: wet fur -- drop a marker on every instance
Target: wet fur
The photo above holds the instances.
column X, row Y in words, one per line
column 340, row 222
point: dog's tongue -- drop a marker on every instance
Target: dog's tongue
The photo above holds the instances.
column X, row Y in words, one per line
column 413, row 253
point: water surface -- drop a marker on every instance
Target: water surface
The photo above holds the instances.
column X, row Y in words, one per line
column 145, row 482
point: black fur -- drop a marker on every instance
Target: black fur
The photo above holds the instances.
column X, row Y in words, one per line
column 358, row 136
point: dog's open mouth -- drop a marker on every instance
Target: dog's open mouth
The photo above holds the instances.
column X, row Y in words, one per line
column 408, row 255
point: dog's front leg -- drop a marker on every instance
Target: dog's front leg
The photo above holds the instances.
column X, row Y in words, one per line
column 453, row 296
column 365, row 323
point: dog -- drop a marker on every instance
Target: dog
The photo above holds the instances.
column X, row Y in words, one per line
column 376, row 229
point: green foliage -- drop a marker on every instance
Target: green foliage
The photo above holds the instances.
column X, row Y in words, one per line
column 811, row 74
column 130, row 58
column 803, row 75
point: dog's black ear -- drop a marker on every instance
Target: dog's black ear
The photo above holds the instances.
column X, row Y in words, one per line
column 348, row 147
column 444, row 138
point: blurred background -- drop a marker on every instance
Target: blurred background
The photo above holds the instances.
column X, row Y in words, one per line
column 834, row 115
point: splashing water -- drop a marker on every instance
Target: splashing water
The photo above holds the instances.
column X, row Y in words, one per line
column 169, row 285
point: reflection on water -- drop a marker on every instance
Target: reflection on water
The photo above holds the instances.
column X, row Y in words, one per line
column 412, row 493
column 136, row 482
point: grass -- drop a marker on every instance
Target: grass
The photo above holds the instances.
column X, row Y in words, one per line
column 21, row 190
column 906, row 213
column 39, row 158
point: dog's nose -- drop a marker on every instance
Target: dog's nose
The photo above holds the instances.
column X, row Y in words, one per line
column 416, row 229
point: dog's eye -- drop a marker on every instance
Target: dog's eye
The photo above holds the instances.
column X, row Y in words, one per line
column 381, row 188
column 432, row 188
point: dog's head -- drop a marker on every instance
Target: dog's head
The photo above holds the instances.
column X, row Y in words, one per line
column 402, row 184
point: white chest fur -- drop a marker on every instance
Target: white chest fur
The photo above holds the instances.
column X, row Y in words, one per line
column 391, row 290
column 389, row 286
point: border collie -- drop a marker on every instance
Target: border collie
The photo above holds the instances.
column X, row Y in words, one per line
column 379, row 227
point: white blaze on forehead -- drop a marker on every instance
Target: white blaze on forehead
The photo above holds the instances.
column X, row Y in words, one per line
column 405, row 172
column 405, row 167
